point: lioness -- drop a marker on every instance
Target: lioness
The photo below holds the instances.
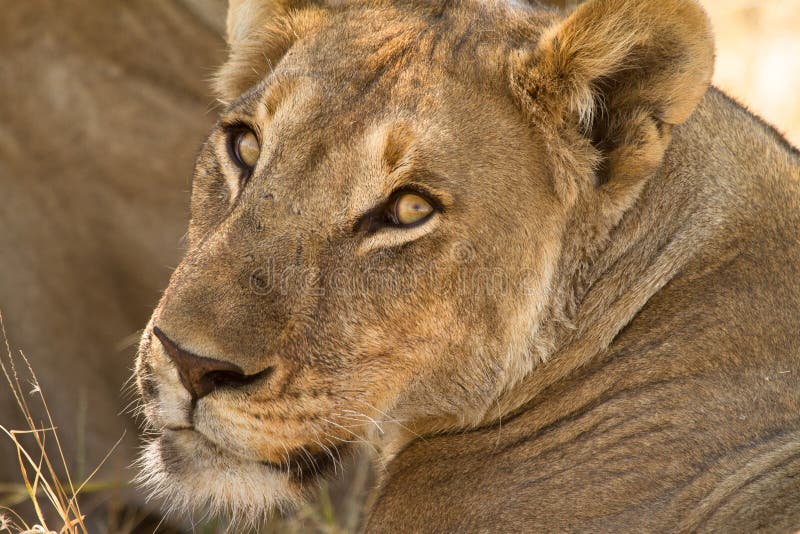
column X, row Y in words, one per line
column 532, row 257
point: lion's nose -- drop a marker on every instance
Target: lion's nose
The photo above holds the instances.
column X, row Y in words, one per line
column 200, row 375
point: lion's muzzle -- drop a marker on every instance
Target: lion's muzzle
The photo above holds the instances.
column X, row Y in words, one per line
column 201, row 375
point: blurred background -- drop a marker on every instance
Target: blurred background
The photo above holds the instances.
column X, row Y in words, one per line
column 758, row 57
column 103, row 105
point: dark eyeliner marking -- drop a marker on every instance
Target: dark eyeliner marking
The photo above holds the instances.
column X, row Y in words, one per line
column 232, row 132
column 377, row 218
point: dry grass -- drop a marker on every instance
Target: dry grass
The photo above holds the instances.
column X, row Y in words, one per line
column 47, row 483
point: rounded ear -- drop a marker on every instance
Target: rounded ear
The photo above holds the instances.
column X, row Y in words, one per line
column 621, row 72
column 259, row 33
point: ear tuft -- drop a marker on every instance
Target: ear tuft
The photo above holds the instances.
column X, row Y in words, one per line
column 259, row 33
column 621, row 72
column 662, row 49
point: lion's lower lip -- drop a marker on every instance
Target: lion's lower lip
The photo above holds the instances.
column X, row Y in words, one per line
column 197, row 436
column 273, row 465
column 304, row 465
column 301, row 464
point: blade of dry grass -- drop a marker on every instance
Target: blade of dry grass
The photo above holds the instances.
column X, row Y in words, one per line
column 39, row 474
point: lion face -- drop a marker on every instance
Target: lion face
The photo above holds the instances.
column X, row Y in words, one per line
column 357, row 267
column 355, row 245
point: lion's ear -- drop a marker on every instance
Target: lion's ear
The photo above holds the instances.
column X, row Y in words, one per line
column 259, row 33
column 621, row 72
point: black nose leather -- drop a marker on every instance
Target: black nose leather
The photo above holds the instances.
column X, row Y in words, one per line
column 200, row 375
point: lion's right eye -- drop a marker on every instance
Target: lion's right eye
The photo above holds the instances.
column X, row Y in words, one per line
column 245, row 149
column 408, row 209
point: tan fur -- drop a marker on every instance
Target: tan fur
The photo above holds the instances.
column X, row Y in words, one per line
column 597, row 331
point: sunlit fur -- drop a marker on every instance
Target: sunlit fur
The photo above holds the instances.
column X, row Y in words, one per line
column 560, row 153
column 208, row 481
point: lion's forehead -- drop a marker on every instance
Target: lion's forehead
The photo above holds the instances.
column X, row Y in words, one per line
column 361, row 53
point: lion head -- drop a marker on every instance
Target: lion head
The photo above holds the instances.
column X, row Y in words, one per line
column 389, row 222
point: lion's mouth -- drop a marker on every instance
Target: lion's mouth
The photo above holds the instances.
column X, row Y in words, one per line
column 302, row 464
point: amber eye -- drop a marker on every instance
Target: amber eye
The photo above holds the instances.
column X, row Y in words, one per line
column 245, row 148
column 408, row 209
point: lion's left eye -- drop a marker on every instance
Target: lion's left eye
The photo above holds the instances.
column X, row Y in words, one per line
column 407, row 209
column 245, row 148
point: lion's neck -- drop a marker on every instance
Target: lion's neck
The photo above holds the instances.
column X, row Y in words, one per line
column 600, row 291
column 595, row 294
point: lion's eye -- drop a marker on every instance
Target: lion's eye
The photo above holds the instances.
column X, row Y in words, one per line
column 246, row 149
column 408, row 209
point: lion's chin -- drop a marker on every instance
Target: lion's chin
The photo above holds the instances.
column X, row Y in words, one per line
column 193, row 476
